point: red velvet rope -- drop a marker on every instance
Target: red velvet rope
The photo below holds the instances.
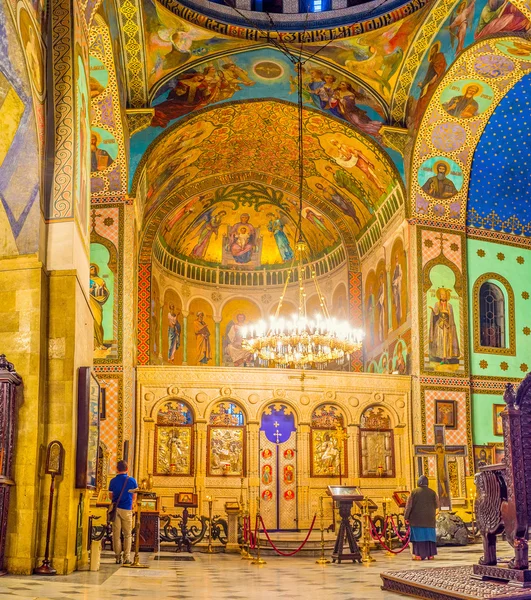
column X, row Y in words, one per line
column 288, row 553
column 395, row 528
column 376, row 536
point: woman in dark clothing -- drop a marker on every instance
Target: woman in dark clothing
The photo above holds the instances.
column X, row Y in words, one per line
column 420, row 513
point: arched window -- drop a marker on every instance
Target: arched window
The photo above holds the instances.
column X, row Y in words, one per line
column 491, row 316
column 174, row 436
column 377, row 448
column 328, row 442
column 226, row 440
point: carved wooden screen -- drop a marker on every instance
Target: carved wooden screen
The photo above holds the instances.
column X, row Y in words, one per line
column 174, row 439
column 327, row 449
column 226, row 440
column 377, row 450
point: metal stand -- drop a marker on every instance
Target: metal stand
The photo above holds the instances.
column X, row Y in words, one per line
column 136, row 562
column 209, row 549
column 345, row 531
column 258, row 560
column 366, row 557
column 245, row 544
column 322, row 560
column 46, row 568
column 388, row 537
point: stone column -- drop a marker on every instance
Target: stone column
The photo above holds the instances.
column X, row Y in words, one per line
column 233, row 512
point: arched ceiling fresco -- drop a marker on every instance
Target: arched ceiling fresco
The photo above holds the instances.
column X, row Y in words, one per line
column 349, row 180
column 454, row 122
column 262, row 73
column 500, row 165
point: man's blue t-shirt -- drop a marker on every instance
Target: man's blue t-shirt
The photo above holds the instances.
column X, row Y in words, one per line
column 116, row 485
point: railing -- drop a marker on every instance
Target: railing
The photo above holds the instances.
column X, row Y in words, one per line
column 228, row 276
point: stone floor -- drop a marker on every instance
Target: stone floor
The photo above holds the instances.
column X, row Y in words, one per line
column 227, row 577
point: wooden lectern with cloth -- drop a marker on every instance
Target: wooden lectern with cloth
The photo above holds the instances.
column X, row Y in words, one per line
column 345, row 496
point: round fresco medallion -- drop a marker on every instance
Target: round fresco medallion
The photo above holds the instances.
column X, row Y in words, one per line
column 289, row 494
column 467, row 98
column 448, row 137
column 267, row 495
column 492, row 65
column 267, row 69
column 289, row 454
column 440, row 177
column 266, row 453
column 520, row 49
column 99, row 77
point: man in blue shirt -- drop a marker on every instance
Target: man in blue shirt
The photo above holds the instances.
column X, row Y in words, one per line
column 124, row 513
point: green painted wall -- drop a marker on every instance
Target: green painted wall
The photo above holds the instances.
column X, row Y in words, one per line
column 514, row 264
column 482, row 418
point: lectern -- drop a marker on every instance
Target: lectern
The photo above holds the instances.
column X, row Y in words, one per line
column 345, row 496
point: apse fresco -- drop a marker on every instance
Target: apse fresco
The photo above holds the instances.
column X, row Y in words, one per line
column 258, row 74
column 470, row 21
column 239, row 232
column 341, row 168
column 171, row 42
column 201, row 334
column 19, row 152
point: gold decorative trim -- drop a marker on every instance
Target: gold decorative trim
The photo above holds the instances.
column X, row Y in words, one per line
column 132, row 33
column 395, row 137
column 138, row 119
column 478, row 348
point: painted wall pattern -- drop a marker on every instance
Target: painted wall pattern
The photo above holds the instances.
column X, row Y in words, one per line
column 20, row 169
column 108, row 163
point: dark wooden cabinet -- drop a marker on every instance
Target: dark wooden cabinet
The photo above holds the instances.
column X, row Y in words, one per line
column 149, row 532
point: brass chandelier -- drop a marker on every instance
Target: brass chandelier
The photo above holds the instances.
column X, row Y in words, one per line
column 302, row 342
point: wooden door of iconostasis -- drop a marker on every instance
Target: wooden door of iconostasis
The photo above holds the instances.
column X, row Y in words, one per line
column 278, row 468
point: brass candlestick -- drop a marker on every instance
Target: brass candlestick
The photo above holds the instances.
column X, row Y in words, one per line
column 366, row 536
column 245, row 546
column 388, row 537
column 258, row 559
column 136, row 562
column 322, row 560
column 209, row 549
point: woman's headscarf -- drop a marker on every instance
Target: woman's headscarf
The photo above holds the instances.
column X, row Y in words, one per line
column 423, row 481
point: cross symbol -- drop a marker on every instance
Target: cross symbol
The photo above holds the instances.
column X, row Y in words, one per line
column 277, row 434
column 94, row 216
column 441, row 240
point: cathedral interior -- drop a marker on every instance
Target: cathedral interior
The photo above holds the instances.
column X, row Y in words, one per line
column 162, row 162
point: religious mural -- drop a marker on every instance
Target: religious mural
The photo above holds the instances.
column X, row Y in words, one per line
column 377, row 453
column 226, row 440
column 259, row 74
column 19, row 151
column 174, row 439
column 201, row 336
column 470, row 21
column 398, row 278
column 108, row 173
column 236, row 316
column 81, row 191
column 328, row 447
column 105, row 283
column 168, row 335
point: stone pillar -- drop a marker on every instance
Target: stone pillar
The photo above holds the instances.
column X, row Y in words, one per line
column 233, row 512
column 9, row 380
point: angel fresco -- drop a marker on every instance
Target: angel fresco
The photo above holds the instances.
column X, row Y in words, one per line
column 350, row 157
column 276, row 227
column 500, row 16
column 352, row 184
column 461, row 19
column 210, row 224
column 195, row 89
